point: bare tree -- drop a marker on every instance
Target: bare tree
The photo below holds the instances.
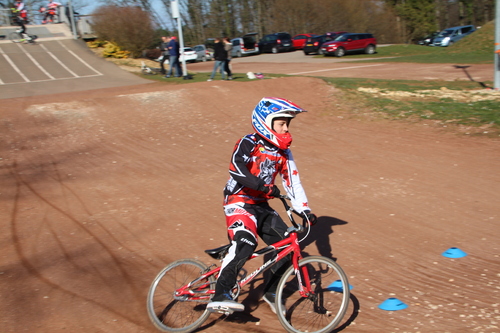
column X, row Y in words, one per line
column 143, row 4
column 128, row 27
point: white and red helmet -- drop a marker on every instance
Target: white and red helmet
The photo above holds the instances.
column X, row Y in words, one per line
column 266, row 111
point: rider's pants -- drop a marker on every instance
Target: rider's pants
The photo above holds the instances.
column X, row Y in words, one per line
column 245, row 222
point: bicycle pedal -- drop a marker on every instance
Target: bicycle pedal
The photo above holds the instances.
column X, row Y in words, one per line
column 227, row 313
column 222, row 310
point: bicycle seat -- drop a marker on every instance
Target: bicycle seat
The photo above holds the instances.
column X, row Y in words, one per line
column 219, row 252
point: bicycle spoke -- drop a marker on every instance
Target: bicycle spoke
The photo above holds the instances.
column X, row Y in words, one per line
column 322, row 308
column 172, row 313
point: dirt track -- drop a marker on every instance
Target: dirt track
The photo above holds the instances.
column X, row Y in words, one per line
column 101, row 189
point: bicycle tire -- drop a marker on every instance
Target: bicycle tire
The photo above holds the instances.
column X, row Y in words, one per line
column 169, row 314
column 320, row 312
column 14, row 37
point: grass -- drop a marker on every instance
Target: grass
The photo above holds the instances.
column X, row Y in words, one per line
column 476, row 48
column 443, row 103
column 400, row 85
column 428, row 54
column 202, row 77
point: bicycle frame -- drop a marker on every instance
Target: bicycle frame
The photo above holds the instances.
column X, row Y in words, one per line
column 17, row 36
column 194, row 292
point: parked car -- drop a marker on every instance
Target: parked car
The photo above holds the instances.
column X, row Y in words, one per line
column 189, row 54
column 209, row 44
column 245, row 45
column 277, row 42
column 299, row 40
column 313, row 44
column 349, row 43
column 428, row 40
column 202, row 53
column 335, row 34
column 449, row 36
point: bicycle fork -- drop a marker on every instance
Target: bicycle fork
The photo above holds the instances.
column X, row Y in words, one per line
column 303, row 278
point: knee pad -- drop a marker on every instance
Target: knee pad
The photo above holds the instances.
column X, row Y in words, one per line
column 243, row 245
column 245, row 242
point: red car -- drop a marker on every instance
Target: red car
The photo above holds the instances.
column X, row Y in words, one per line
column 300, row 40
column 350, row 43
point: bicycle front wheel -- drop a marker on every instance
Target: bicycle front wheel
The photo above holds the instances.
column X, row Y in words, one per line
column 323, row 306
column 171, row 313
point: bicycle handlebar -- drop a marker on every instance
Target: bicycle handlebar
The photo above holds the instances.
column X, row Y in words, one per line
column 289, row 210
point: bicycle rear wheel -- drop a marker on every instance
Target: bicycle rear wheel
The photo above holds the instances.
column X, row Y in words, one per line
column 179, row 314
column 324, row 307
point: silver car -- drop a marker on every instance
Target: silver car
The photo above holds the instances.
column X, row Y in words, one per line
column 449, row 36
column 202, row 53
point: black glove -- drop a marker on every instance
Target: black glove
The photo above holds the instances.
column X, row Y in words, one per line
column 307, row 216
column 271, row 191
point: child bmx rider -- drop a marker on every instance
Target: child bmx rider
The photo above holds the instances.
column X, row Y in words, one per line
column 256, row 161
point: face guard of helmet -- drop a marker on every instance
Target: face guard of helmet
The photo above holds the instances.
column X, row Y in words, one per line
column 266, row 111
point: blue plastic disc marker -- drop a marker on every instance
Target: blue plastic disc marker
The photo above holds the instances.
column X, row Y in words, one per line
column 392, row 304
column 337, row 286
column 454, row 252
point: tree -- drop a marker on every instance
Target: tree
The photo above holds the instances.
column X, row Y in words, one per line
column 418, row 17
column 128, row 27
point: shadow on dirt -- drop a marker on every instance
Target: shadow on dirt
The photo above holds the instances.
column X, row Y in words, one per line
column 320, row 235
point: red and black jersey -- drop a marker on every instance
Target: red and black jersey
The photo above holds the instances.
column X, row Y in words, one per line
column 21, row 11
column 254, row 163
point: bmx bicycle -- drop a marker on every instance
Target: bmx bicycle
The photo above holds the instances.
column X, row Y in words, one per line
column 146, row 70
column 312, row 295
column 18, row 37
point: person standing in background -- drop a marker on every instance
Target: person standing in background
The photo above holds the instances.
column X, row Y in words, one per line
column 174, row 54
column 228, row 46
column 164, row 53
column 50, row 11
column 220, row 56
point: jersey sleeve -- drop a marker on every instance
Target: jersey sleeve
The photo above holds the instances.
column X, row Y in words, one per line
column 292, row 185
column 238, row 167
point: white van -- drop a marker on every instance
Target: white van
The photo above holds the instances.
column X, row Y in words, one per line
column 245, row 45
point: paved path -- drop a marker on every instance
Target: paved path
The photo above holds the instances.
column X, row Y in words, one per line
column 57, row 63
column 296, row 63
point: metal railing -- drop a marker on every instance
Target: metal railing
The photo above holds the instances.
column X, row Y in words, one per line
column 4, row 16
